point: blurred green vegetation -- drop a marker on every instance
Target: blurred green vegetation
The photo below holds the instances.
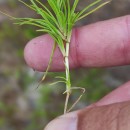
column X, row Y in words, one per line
column 22, row 107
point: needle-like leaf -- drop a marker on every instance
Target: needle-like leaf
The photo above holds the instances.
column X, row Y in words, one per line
column 58, row 20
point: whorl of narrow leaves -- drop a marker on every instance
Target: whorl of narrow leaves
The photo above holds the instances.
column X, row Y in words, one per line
column 59, row 21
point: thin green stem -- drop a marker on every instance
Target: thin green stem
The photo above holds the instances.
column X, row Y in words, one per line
column 67, row 66
column 68, row 84
column 66, row 102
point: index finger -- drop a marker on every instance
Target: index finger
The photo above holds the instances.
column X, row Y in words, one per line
column 102, row 44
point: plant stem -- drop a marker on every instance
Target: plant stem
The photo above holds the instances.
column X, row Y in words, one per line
column 68, row 84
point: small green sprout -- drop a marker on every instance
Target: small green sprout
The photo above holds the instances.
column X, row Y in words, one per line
column 58, row 21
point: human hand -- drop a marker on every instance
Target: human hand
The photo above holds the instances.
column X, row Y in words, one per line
column 101, row 44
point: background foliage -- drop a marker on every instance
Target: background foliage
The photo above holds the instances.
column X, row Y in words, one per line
column 22, row 107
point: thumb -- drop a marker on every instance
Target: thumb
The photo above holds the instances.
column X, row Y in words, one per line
column 65, row 122
column 71, row 120
column 95, row 118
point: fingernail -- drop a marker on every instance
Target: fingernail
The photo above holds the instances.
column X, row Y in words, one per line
column 65, row 122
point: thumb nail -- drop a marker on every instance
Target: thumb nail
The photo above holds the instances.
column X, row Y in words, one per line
column 65, row 122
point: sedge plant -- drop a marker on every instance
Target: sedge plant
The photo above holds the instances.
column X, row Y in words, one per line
column 58, row 21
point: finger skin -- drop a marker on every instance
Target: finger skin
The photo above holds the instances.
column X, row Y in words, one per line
column 110, row 117
column 120, row 94
column 102, row 44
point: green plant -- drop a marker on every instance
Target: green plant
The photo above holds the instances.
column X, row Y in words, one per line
column 58, row 22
